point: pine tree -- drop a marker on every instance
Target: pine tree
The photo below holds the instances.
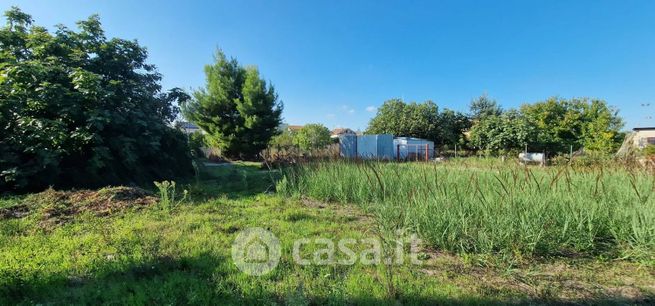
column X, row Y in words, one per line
column 239, row 111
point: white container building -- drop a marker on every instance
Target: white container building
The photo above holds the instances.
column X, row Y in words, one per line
column 410, row 148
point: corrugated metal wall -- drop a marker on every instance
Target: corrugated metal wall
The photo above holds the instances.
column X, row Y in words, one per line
column 348, row 146
column 383, row 146
column 375, row 146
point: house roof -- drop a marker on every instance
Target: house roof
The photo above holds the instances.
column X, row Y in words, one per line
column 294, row 128
column 339, row 131
column 645, row 128
column 188, row 125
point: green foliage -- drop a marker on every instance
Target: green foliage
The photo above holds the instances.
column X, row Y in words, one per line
column 284, row 140
column 78, row 109
column 422, row 120
column 239, row 110
column 312, row 136
column 649, row 150
column 452, row 125
column 196, row 142
column 503, row 133
column 483, row 107
column 167, row 195
column 561, row 123
column 553, row 126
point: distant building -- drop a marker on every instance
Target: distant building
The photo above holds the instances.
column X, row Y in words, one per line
column 188, row 127
column 643, row 136
column 341, row 131
column 294, row 128
column 385, row 147
column 411, row 148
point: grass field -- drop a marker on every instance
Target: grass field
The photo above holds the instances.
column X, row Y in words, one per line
column 509, row 209
column 62, row 248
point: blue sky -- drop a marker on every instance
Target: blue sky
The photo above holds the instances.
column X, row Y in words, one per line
column 333, row 62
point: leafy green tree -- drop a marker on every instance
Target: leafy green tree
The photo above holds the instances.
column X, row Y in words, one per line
column 312, row 136
column 484, row 106
column 239, row 111
column 507, row 132
column 562, row 123
column 283, row 140
column 196, row 143
column 422, row 120
column 601, row 131
column 391, row 118
column 555, row 126
column 452, row 126
column 80, row 110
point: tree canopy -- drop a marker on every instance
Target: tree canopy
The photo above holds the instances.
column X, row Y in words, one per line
column 285, row 139
column 483, row 107
column 79, row 109
column 555, row 126
column 421, row 120
column 561, row 123
column 312, row 136
column 239, row 111
column 506, row 132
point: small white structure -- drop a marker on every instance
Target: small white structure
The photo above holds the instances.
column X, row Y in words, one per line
column 533, row 158
column 410, row 148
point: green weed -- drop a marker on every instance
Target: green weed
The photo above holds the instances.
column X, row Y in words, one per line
column 168, row 199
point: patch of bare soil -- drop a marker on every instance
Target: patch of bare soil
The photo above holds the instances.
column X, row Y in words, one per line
column 59, row 207
column 347, row 211
column 14, row 212
column 309, row 202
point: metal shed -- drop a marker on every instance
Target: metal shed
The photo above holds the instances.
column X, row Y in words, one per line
column 410, row 148
column 348, row 145
column 378, row 146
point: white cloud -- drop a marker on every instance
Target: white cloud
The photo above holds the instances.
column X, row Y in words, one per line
column 330, row 116
column 371, row 109
column 347, row 109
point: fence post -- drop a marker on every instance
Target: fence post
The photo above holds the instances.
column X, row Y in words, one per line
column 398, row 152
column 571, row 152
column 427, row 149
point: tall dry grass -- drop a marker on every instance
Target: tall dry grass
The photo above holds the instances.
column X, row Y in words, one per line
column 490, row 207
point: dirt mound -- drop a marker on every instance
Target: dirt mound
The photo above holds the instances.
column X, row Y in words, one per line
column 108, row 200
column 58, row 207
column 14, row 212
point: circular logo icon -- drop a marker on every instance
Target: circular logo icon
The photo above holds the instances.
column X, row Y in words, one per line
column 256, row 251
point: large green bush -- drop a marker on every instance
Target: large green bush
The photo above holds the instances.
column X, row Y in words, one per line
column 312, row 136
column 78, row 109
column 196, row 142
